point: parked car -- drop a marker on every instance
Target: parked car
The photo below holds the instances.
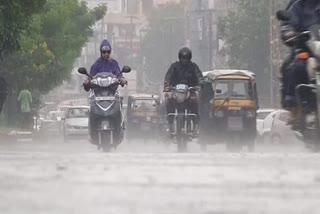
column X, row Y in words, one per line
column 273, row 127
column 280, row 130
column 264, row 123
column 76, row 122
column 50, row 125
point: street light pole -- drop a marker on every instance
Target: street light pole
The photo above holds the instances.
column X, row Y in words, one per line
column 271, row 52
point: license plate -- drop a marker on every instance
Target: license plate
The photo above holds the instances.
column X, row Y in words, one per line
column 105, row 98
column 235, row 124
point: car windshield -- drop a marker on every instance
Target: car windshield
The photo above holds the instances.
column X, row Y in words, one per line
column 55, row 115
column 233, row 88
column 143, row 103
column 78, row 113
column 263, row 115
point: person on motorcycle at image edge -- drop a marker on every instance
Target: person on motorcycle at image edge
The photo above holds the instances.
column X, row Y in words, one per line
column 303, row 14
column 186, row 72
column 104, row 64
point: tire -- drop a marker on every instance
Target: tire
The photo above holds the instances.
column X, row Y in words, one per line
column 181, row 142
column 106, row 141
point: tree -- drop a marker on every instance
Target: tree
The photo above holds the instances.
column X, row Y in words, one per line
column 15, row 17
column 165, row 35
column 246, row 31
column 51, row 45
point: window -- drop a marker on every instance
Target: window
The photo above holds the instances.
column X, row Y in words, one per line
column 78, row 113
column 232, row 88
column 137, row 104
column 263, row 115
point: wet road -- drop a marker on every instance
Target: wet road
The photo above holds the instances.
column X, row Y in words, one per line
column 152, row 179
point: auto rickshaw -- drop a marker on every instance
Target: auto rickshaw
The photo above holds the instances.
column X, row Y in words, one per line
column 143, row 116
column 228, row 109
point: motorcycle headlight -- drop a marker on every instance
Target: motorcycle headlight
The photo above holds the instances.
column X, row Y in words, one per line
column 219, row 114
column 250, row 114
column 180, row 97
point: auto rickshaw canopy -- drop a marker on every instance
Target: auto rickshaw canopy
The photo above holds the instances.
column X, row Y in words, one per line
column 215, row 74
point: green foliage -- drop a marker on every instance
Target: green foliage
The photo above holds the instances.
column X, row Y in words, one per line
column 165, row 35
column 15, row 16
column 246, row 31
column 51, row 45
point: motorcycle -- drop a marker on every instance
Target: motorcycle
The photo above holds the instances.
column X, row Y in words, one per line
column 307, row 48
column 184, row 126
column 105, row 108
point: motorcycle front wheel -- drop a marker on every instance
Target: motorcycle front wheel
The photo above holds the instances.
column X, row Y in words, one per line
column 105, row 138
column 181, row 141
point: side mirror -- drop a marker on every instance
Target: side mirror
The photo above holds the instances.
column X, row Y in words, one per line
column 283, row 15
column 83, row 71
column 218, row 91
column 126, row 69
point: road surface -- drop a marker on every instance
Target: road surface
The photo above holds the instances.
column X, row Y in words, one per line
column 75, row 178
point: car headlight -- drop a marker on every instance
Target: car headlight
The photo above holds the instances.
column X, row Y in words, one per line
column 219, row 114
column 250, row 114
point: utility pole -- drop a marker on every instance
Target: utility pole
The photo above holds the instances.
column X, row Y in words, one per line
column 275, row 53
column 210, row 40
column 271, row 52
column 206, row 43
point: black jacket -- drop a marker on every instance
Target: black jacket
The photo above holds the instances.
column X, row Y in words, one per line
column 189, row 74
column 302, row 16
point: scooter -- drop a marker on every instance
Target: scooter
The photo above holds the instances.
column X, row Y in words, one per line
column 105, row 109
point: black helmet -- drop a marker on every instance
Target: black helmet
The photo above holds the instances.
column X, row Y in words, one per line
column 185, row 53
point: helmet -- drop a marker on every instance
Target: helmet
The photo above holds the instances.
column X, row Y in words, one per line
column 185, row 53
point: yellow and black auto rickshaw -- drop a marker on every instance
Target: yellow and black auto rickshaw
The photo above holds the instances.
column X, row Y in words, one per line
column 143, row 116
column 228, row 106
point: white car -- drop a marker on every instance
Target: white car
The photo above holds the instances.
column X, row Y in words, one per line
column 76, row 122
column 280, row 130
column 264, row 123
column 272, row 126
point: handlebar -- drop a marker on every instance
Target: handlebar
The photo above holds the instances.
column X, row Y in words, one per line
column 305, row 36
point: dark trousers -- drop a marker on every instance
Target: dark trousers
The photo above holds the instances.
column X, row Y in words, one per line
column 26, row 120
column 294, row 73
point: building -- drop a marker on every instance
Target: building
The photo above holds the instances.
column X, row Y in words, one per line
column 114, row 6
